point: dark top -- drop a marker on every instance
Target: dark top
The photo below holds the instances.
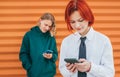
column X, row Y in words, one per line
column 31, row 53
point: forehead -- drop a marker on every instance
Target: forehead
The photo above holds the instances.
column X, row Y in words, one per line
column 48, row 22
column 75, row 15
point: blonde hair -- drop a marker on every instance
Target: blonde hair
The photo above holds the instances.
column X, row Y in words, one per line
column 49, row 16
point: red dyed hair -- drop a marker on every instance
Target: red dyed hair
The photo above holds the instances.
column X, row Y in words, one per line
column 82, row 7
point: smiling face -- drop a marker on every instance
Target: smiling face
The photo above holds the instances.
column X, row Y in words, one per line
column 78, row 23
column 45, row 25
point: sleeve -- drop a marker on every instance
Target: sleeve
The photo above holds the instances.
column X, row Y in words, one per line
column 53, row 47
column 24, row 54
column 62, row 67
column 106, row 67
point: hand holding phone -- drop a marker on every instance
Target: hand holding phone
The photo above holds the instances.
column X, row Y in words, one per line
column 48, row 54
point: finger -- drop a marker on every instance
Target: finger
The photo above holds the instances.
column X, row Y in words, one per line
column 70, row 67
column 50, row 55
column 81, row 60
column 44, row 55
column 67, row 64
column 73, row 69
column 80, row 66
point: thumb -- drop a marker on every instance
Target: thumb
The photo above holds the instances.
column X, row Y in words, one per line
column 82, row 59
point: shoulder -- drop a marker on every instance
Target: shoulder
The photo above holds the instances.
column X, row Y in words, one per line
column 68, row 38
column 28, row 33
column 32, row 31
column 102, row 36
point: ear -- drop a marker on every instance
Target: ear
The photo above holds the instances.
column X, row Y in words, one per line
column 39, row 20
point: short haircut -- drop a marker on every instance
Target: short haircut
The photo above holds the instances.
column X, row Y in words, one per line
column 82, row 7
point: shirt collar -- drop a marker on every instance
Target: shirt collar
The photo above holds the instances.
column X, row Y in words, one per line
column 89, row 35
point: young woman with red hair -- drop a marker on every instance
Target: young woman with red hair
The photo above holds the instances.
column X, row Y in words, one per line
column 92, row 49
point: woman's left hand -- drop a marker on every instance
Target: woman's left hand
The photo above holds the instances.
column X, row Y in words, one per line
column 83, row 66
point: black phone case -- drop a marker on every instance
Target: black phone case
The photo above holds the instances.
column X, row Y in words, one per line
column 71, row 60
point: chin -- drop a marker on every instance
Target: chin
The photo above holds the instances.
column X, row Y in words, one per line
column 79, row 31
column 44, row 32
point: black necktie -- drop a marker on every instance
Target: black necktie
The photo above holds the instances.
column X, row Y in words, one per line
column 82, row 54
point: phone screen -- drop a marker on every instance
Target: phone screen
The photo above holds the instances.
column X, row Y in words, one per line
column 48, row 51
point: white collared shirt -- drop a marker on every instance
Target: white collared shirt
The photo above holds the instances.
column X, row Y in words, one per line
column 98, row 51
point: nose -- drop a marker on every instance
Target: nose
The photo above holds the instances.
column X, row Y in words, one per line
column 77, row 24
column 47, row 28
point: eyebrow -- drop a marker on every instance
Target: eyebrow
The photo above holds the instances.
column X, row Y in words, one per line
column 47, row 24
column 76, row 19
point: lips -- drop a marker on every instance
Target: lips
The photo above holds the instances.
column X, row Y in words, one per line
column 78, row 28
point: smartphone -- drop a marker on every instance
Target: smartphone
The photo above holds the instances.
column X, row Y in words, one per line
column 48, row 51
column 71, row 60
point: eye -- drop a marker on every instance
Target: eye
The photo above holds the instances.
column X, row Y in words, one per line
column 72, row 22
column 46, row 24
column 50, row 27
column 80, row 20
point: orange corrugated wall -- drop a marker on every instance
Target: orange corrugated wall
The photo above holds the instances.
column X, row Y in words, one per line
column 18, row 16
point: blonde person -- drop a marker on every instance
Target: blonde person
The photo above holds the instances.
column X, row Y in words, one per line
column 92, row 49
column 38, row 52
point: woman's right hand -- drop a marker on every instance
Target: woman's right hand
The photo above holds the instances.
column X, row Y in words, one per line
column 47, row 55
column 71, row 67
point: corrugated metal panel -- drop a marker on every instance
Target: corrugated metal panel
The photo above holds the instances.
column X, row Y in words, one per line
column 18, row 16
